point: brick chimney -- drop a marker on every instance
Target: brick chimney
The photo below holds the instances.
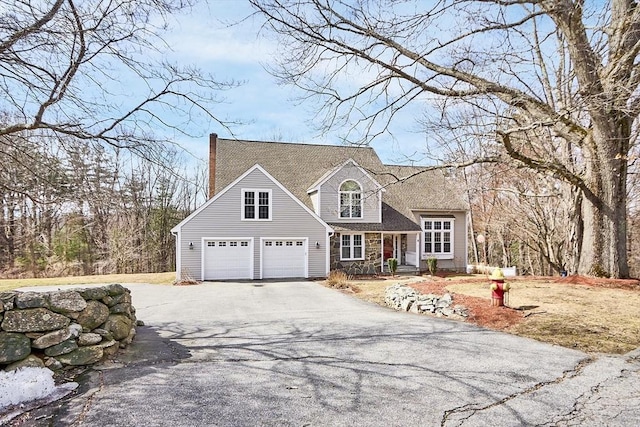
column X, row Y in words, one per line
column 213, row 142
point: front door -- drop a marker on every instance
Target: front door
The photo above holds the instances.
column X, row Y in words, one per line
column 391, row 247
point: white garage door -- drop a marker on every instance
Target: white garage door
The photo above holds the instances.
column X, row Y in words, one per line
column 284, row 258
column 227, row 259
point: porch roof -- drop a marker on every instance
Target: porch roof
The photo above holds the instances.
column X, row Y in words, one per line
column 392, row 220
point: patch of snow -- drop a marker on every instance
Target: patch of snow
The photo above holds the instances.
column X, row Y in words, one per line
column 24, row 385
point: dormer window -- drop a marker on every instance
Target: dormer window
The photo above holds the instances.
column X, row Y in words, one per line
column 350, row 200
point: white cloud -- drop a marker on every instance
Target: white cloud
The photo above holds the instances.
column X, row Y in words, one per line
column 218, row 32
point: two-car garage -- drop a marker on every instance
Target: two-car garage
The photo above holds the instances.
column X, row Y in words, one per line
column 233, row 259
column 254, row 228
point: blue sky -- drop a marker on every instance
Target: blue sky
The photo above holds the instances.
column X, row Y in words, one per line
column 238, row 52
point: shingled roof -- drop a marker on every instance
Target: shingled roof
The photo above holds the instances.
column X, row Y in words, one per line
column 299, row 166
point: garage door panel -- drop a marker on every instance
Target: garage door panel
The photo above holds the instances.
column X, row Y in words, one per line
column 282, row 258
column 227, row 259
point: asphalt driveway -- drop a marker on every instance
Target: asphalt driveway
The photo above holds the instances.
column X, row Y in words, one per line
column 298, row 354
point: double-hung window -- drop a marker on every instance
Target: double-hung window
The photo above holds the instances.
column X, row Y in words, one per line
column 256, row 205
column 351, row 247
column 438, row 237
column 350, row 200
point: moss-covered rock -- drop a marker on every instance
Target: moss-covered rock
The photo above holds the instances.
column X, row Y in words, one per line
column 34, row 320
column 31, row 361
column 63, row 348
column 94, row 315
column 13, row 347
column 82, row 356
column 119, row 325
column 66, row 302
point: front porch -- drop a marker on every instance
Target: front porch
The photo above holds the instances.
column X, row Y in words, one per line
column 372, row 251
column 404, row 248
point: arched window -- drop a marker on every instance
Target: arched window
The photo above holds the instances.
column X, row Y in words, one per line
column 350, row 200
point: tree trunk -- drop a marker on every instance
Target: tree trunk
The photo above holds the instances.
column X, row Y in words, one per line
column 604, row 208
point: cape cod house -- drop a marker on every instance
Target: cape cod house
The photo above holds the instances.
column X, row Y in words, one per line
column 285, row 210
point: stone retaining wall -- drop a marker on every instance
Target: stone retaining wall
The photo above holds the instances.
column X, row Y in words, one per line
column 405, row 298
column 64, row 328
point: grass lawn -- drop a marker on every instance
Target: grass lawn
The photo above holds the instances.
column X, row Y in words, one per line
column 585, row 314
column 152, row 278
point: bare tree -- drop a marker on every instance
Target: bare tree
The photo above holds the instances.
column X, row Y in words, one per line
column 557, row 82
column 97, row 70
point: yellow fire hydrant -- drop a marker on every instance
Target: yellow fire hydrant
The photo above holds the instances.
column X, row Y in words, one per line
column 499, row 289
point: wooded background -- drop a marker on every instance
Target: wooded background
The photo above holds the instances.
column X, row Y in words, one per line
column 95, row 210
column 91, row 210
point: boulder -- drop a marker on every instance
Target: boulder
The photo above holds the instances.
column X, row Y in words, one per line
column 446, row 311
column 62, row 348
column 106, row 335
column 56, row 337
column 7, row 300
column 13, row 347
column 115, row 289
column 110, row 350
column 119, row 325
column 82, row 356
column 447, row 298
column 94, row 315
column 34, row 320
column 52, row 363
column 92, row 293
column 129, row 339
column 66, row 302
column 30, row 361
column 31, row 300
column 89, row 339
column 112, row 300
column 121, row 308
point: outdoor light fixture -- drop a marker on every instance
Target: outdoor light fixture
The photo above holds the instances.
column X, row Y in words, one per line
column 191, row 246
column 317, row 245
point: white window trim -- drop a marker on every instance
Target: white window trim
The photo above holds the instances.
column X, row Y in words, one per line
column 351, row 246
column 256, row 192
column 438, row 255
column 361, row 192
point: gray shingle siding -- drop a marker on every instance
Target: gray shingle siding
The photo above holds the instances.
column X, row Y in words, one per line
column 222, row 218
column 330, row 196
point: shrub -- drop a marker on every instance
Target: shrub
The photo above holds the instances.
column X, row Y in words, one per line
column 337, row 279
column 432, row 265
column 393, row 265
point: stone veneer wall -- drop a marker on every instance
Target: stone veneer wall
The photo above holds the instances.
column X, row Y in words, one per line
column 64, row 328
column 371, row 263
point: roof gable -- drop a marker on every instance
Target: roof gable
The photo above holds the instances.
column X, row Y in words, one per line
column 212, row 200
column 327, row 176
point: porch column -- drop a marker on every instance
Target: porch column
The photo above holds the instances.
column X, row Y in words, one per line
column 381, row 252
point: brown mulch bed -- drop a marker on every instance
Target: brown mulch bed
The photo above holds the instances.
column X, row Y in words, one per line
column 480, row 310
